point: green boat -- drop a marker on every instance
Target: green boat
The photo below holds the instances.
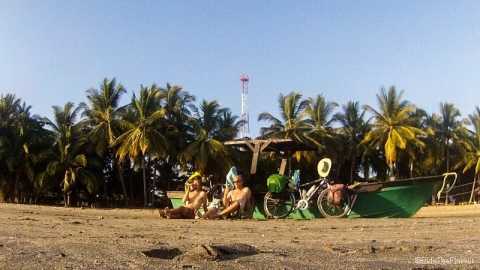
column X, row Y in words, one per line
column 393, row 199
column 397, row 199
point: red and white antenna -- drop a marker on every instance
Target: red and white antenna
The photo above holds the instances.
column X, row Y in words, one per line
column 244, row 129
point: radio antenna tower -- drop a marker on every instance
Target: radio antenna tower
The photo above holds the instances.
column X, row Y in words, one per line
column 244, row 128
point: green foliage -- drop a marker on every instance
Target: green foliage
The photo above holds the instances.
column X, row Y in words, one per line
column 100, row 146
column 392, row 127
column 211, row 125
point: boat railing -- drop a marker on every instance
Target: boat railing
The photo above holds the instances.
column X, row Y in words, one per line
column 446, row 186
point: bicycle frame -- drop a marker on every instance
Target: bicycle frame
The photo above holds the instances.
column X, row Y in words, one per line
column 305, row 198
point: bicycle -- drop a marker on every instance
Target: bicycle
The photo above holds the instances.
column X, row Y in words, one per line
column 282, row 204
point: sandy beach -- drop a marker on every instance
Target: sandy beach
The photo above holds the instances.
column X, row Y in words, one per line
column 46, row 237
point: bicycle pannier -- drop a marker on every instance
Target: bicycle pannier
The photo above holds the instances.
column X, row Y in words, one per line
column 276, row 183
column 335, row 194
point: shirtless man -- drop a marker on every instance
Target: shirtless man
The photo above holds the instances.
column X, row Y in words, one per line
column 194, row 197
column 239, row 198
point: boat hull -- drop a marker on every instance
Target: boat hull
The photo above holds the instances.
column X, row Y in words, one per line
column 393, row 199
column 397, row 199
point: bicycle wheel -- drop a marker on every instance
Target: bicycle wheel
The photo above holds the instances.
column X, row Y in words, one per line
column 278, row 205
column 333, row 211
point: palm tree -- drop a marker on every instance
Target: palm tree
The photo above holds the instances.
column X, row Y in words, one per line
column 142, row 136
column 292, row 123
column 18, row 138
column 319, row 117
column 229, row 125
column 178, row 106
column 353, row 129
column 393, row 127
column 430, row 124
column 210, row 124
column 450, row 129
column 104, row 117
column 471, row 148
column 67, row 160
column 414, row 151
column 9, row 106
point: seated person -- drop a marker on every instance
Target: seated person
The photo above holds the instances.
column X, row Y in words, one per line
column 216, row 203
column 194, row 197
column 233, row 200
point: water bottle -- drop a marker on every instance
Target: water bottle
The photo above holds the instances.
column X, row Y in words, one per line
column 311, row 190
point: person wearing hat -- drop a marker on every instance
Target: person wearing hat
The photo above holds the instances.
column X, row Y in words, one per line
column 194, row 198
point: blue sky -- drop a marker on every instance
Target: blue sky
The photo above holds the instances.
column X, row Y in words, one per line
column 52, row 51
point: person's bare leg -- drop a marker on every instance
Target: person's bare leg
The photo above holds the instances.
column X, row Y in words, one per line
column 167, row 212
column 199, row 215
column 207, row 214
column 212, row 212
column 230, row 209
column 161, row 213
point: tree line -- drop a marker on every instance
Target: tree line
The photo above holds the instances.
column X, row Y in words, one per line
column 100, row 150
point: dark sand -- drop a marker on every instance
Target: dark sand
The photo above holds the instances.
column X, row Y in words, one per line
column 42, row 237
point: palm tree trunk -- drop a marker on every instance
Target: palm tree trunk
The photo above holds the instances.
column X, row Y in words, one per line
column 390, row 165
column 120, row 177
column 154, row 178
column 411, row 169
column 145, row 200
column 352, row 169
column 65, row 199
column 366, row 170
column 130, row 180
column 473, row 188
column 17, row 187
column 448, row 156
column 166, row 174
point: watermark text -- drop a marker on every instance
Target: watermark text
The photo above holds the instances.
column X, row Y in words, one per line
column 443, row 260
